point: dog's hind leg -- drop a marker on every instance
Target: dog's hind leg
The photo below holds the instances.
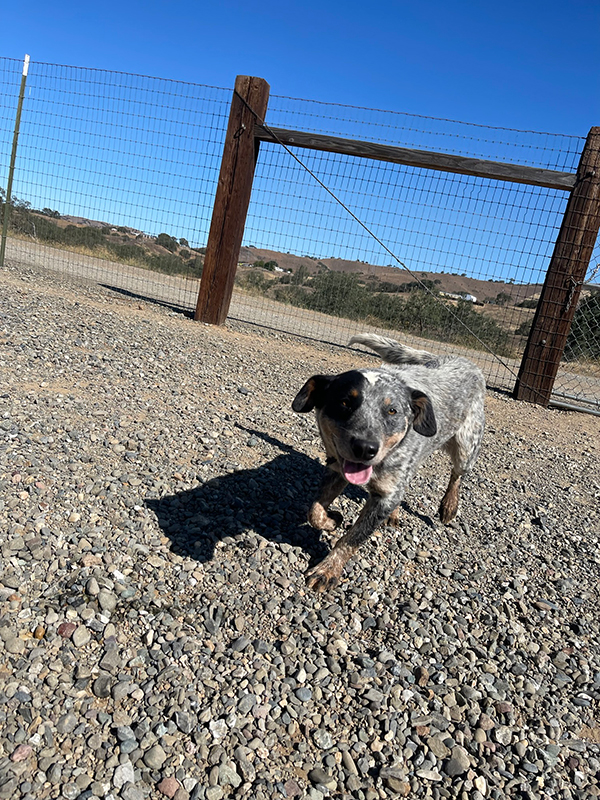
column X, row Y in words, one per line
column 319, row 516
column 463, row 449
column 449, row 504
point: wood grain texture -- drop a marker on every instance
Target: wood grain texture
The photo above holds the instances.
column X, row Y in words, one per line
column 444, row 162
column 565, row 277
column 240, row 151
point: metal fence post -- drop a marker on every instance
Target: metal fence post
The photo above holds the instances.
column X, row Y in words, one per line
column 248, row 106
column 565, row 277
column 13, row 157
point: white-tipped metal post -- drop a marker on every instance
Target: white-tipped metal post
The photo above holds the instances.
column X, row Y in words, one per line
column 13, row 158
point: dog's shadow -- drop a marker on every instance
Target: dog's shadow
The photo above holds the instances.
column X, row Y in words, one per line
column 271, row 500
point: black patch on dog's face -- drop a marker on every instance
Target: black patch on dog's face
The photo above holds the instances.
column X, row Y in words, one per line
column 344, row 396
column 338, row 395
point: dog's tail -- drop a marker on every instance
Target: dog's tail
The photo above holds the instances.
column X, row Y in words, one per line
column 392, row 352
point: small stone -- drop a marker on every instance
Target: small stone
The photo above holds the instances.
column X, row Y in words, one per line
column 81, row 636
column 155, row 757
column 374, row 696
column 218, row 728
column 503, row 734
column 102, row 685
column 168, row 786
column 66, row 629
column 319, row 775
column 107, row 600
column 228, row 776
column 486, row 723
column 458, row 763
column 322, row 739
column 21, row 753
column 184, row 721
column 521, row 747
column 123, row 774
column 14, row 645
column 429, row 774
column 67, row 723
column 395, row 780
column 422, row 676
column 437, row 747
column 129, row 792
column 124, row 733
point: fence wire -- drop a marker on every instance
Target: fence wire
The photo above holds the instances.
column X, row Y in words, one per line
column 490, row 240
column 115, row 182
column 113, row 161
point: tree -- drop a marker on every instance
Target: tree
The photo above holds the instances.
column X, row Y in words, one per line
column 299, row 276
column 166, row 241
column 502, row 298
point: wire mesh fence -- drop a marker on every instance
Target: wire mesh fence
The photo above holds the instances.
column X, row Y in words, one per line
column 579, row 377
column 115, row 176
column 115, row 182
column 476, row 250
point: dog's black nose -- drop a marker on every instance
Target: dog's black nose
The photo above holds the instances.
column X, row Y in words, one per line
column 363, row 449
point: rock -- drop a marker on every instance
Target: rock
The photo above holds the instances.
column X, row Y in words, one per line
column 21, row 753
column 168, row 786
column 102, row 685
column 81, row 636
column 155, row 757
column 123, row 774
column 458, row 762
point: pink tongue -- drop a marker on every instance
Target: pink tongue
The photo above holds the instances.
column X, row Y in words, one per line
column 356, row 473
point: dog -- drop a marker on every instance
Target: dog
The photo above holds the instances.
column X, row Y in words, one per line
column 378, row 426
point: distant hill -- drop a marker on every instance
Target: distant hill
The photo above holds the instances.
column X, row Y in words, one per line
column 451, row 283
column 164, row 253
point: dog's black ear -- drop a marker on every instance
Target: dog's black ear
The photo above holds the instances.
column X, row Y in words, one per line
column 424, row 420
column 312, row 394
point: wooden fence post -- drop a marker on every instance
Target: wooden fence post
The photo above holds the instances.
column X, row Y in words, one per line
column 232, row 199
column 562, row 287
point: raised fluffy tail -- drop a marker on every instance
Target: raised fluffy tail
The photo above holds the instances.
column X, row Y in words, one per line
column 392, row 352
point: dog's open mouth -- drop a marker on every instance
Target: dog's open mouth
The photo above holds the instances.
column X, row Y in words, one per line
column 356, row 473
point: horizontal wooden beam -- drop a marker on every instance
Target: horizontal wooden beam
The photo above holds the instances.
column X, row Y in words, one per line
column 424, row 159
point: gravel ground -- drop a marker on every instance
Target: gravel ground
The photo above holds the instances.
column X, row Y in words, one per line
column 156, row 636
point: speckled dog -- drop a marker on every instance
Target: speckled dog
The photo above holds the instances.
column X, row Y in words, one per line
column 378, row 426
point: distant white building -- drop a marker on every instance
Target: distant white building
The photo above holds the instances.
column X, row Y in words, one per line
column 470, row 298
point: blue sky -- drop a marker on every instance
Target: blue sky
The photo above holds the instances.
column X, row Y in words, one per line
column 529, row 65
column 520, row 65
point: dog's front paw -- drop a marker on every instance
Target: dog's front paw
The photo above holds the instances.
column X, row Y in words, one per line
column 394, row 518
column 326, row 575
column 322, row 519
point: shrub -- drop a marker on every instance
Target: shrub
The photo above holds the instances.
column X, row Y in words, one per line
column 166, row 241
column 584, row 338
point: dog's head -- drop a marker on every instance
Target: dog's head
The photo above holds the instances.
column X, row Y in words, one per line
column 363, row 415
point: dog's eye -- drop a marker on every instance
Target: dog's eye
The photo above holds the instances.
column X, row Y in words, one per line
column 392, row 411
